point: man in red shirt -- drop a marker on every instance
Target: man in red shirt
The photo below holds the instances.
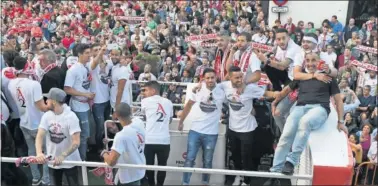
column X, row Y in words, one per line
column 119, row 11
column 67, row 40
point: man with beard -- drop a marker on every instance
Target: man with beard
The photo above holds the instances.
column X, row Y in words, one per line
column 221, row 55
column 120, row 91
column 77, row 85
column 245, row 58
column 310, row 113
column 288, row 97
column 241, row 122
column 63, row 139
column 205, row 127
column 280, row 67
column 100, row 85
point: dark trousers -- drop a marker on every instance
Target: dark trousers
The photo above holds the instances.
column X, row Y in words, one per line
column 162, row 153
column 12, row 175
column 72, row 175
column 241, row 149
column 277, row 77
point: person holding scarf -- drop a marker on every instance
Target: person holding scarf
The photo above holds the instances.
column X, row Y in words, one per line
column 245, row 58
column 221, row 55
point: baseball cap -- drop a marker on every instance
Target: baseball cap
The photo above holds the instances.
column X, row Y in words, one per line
column 57, row 95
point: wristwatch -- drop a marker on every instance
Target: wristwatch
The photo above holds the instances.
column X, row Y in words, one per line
column 341, row 122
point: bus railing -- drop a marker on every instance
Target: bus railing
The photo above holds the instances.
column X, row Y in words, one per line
column 85, row 164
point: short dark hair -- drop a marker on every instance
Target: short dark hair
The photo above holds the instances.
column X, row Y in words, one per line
column 19, row 62
column 81, row 48
column 246, row 35
column 95, row 45
column 207, row 70
column 282, row 30
column 334, row 16
column 234, row 69
column 153, row 84
column 123, row 111
column 9, row 56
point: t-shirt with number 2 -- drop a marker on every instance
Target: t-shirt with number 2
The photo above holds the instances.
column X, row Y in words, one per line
column 129, row 143
column 26, row 92
column 159, row 112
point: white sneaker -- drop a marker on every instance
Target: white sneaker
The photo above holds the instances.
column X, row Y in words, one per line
column 244, row 184
column 237, row 181
column 36, row 182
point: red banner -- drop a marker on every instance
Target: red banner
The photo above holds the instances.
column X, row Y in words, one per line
column 262, row 47
column 129, row 18
column 366, row 66
column 366, row 49
column 204, row 37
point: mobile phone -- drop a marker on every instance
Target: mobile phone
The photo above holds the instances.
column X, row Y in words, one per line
column 320, row 65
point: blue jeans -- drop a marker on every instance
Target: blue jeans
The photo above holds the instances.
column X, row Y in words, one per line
column 301, row 121
column 84, row 134
column 284, row 108
column 101, row 111
column 30, row 136
column 195, row 141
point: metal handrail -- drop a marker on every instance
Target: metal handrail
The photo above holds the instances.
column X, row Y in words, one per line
column 85, row 164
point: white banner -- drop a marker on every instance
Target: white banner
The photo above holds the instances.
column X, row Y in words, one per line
column 366, row 66
column 204, row 37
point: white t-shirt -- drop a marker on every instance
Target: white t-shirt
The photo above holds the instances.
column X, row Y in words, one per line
column 143, row 75
column 78, row 77
column 209, row 115
column 100, row 83
column 4, row 87
column 71, row 60
column 4, row 110
column 159, row 112
column 254, row 62
column 241, row 106
column 291, row 52
column 26, row 93
column 372, row 82
column 328, row 58
column 118, row 73
column 59, row 129
column 129, row 143
column 259, row 39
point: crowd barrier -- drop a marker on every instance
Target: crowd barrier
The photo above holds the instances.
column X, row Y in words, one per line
column 368, row 172
column 84, row 165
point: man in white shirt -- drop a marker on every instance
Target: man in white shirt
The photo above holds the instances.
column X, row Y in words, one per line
column 243, row 56
column 259, row 37
column 280, row 68
column 120, row 91
column 147, row 75
column 100, row 85
column 30, row 104
column 77, row 85
column 159, row 113
column 63, row 139
column 242, row 122
column 371, row 80
column 137, row 33
column 205, row 127
column 128, row 147
column 324, row 39
column 329, row 56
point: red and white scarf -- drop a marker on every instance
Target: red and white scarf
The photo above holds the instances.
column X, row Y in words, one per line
column 220, row 63
column 244, row 62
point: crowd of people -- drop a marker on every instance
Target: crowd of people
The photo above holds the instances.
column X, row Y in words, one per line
column 69, row 65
